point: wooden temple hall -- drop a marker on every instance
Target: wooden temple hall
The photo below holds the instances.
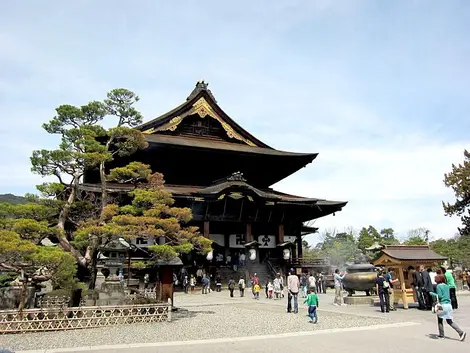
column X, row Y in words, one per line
column 224, row 174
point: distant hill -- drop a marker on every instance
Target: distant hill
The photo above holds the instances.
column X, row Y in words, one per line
column 10, row 198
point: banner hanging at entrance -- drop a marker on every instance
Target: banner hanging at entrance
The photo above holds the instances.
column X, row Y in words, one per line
column 290, row 238
column 237, row 241
column 267, row 241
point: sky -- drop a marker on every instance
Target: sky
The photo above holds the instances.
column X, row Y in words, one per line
column 380, row 89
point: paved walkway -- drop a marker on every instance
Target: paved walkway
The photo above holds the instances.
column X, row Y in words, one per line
column 217, row 322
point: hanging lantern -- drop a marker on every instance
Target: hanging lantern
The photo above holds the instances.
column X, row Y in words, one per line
column 252, row 253
column 286, row 254
column 210, row 256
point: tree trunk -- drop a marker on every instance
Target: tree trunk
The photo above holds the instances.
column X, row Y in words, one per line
column 23, row 295
column 93, row 268
column 104, row 191
column 104, row 183
column 62, row 236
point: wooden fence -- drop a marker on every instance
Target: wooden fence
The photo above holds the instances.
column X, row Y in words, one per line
column 57, row 319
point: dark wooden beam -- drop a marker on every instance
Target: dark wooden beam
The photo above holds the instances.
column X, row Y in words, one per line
column 225, row 207
column 206, row 229
column 256, row 215
column 241, row 210
column 280, row 234
column 248, row 233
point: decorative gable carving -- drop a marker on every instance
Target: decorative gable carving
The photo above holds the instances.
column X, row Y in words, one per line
column 203, row 110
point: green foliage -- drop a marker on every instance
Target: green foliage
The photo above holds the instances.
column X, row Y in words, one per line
column 85, row 144
column 457, row 249
column 163, row 252
column 340, row 247
column 415, row 240
column 22, row 227
column 120, row 103
column 459, row 181
column 139, row 265
column 365, row 239
column 17, row 253
column 6, row 279
column 132, row 173
column 388, row 237
column 13, row 199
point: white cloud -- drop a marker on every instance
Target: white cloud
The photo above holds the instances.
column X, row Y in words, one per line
column 400, row 186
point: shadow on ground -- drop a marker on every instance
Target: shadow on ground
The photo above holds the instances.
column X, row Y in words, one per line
column 181, row 313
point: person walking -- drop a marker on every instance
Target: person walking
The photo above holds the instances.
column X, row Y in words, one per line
column 241, row 286
column 205, row 284
column 312, row 283
column 293, row 287
column 192, row 283
column 444, row 308
column 450, row 281
column 312, row 302
column 338, row 288
column 383, row 286
column 231, row 286
column 218, row 282
column 242, row 260
column 320, row 283
column 277, row 288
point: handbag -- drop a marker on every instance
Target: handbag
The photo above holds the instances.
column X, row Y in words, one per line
column 438, row 309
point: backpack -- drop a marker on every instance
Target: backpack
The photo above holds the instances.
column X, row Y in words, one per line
column 386, row 284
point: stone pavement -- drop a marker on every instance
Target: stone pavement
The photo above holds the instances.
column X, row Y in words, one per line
column 216, row 321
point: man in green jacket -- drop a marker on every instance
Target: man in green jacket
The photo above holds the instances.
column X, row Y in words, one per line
column 450, row 281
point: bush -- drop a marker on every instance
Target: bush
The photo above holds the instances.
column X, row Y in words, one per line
column 6, row 279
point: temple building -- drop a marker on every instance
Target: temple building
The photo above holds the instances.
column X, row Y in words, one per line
column 224, row 174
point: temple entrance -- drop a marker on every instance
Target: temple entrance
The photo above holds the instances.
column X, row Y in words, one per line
column 263, row 255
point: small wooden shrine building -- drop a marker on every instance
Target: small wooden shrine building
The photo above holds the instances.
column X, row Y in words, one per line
column 400, row 258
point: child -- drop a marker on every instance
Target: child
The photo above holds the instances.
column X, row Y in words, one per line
column 241, row 286
column 185, row 284
column 312, row 302
column 270, row 290
column 192, row 283
column 256, row 289
column 277, row 288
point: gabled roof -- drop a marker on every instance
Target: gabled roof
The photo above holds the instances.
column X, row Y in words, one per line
column 408, row 253
column 225, row 146
column 202, row 102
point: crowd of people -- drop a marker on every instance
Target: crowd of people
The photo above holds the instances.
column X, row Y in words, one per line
column 435, row 290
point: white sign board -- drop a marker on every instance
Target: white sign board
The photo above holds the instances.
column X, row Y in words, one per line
column 218, row 238
column 267, row 241
column 290, row 238
column 237, row 241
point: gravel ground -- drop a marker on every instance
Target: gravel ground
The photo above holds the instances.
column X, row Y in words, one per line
column 203, row 322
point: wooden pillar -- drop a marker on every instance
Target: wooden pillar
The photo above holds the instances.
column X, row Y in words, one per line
column 280, row 234
column 206, row 229
column 166, row 284
column 299, row 242
column 403, row 287
column 248, row 233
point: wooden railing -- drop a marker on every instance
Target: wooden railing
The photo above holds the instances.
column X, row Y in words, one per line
column 57, row 319
column 312, row 262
